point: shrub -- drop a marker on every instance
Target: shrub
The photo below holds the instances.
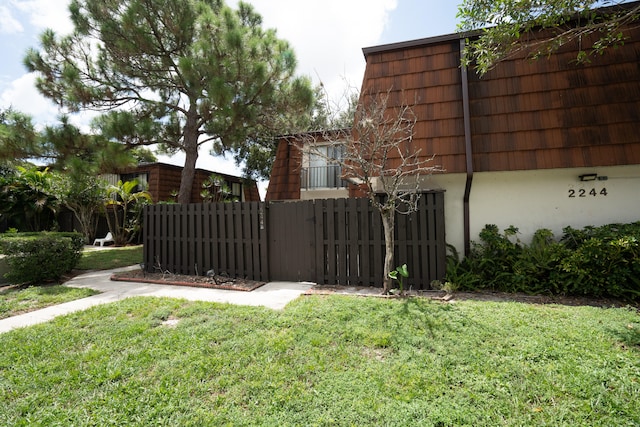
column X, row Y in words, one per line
column 494, row 258
column 602, row 267
column 40, row 257
column 594, row 261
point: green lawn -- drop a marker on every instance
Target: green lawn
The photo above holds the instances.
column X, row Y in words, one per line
column 106, row 259
column 15, row 301
column 325, row 360
column 18, row 300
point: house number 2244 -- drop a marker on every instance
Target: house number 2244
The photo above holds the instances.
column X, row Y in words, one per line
column 583, row 192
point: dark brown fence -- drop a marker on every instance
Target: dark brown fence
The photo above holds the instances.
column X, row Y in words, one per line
column 192, row 239
column 333, row 241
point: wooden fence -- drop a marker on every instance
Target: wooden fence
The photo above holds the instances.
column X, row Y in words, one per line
column 194, row 238
column 333, row 241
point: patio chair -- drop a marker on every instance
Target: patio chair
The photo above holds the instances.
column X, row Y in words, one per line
column 106, row 239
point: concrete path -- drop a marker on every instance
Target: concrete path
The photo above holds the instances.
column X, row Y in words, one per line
column 273, row 295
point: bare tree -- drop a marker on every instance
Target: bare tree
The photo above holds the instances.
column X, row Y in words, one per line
column 378, row 156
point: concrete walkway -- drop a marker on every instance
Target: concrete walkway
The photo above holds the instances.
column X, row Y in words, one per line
column 273, row 295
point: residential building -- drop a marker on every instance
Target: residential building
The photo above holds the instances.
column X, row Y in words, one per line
column 162, row 180
column 544, row 143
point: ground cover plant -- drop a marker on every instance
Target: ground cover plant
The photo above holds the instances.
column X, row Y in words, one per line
column 325, row 360
column 594, row 261
column 17, row 300
column 107, row 259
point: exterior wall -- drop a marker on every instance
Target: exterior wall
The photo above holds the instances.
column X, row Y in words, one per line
column 531, row 200
column 163, row 179
column 524, row 114
column 535, row 126
column 554, row 113
column 336, row 193
column 284, row 183
column 426, row 75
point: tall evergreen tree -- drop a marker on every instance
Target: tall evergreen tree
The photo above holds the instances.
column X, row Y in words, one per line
column 18, row 137
column 177, row 73
column 65, row 148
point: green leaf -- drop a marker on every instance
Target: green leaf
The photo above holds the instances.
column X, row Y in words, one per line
column 403, row 270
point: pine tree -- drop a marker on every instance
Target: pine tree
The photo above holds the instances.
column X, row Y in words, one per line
column 178, row 73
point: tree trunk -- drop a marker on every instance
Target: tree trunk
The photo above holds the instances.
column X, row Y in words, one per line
column 191, row 155
column 113, row 211
column 388, row 222
column 87, row 218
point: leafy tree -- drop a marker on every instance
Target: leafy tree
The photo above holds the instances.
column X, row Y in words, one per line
column 18, row 137
column 80, row 157
column 376, row 154
column 539, row 27
column 178, row 73
column 124, row 210
column 86, row 198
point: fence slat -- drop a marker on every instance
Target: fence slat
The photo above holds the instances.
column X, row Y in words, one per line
column 352, row 246
column 364, row 246
column 320, row 245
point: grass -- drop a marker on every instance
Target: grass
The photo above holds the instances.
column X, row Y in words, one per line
column 110, row 258
column 18, row 300
column 325, row 360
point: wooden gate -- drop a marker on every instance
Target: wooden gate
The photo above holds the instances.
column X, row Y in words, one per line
column 292, row 241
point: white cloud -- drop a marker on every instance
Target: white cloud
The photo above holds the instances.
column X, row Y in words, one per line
column 9, row 24
column 22, row 95
column 328, row 35
column 43, row 14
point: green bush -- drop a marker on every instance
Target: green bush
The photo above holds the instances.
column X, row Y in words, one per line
column 603, row 267
column 40, row 257
column 594, row 261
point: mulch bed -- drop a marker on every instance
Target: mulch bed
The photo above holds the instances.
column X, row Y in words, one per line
column 478, row 296
column 215, row 282
column 239, row 284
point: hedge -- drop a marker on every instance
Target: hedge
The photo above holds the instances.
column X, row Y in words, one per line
column 594, row 261
column 40, row 257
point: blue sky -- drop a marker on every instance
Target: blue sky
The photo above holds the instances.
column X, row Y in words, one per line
column 414, row 19
column 327, row 35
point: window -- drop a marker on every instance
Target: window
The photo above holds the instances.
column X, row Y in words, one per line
column 236, row 190
column 321, row 171
column 143, row 180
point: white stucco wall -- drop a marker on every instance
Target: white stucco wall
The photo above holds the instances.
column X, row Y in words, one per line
column 531, row 200
column 324, row 193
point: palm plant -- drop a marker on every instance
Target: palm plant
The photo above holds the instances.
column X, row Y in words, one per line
column 27, row 196
column 124, row 210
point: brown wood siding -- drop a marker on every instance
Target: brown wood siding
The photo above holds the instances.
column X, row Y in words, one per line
column 554, row 113
column 525, row 114
column 284, row 183
column 164, row 179
column 428, row 78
